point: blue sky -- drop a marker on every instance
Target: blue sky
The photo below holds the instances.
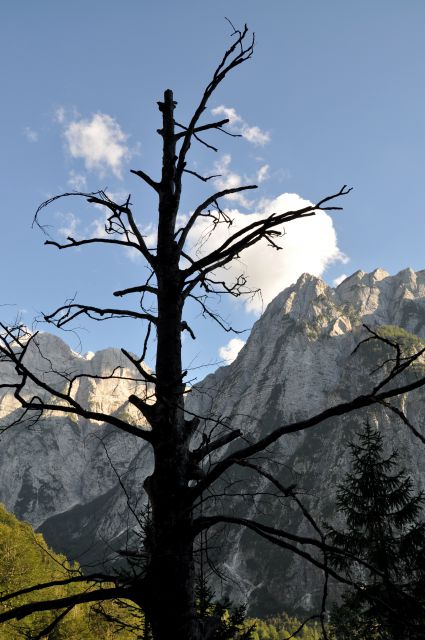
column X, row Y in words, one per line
column 334, row 95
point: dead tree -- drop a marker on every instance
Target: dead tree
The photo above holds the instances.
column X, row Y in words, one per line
column 163, row 584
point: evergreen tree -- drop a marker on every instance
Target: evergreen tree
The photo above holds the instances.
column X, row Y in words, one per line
column 220, row 620
column 385, row 533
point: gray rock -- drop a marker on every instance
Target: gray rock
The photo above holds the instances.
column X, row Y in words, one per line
column 62, row 475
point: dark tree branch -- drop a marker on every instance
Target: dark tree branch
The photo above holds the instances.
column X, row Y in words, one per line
column 100, row 198
column 275, row 536
column 235, row 55
column 79, row 243
column 37, row 404
column 152, row 183
column 149, row 377
column 203, row 178
column 250, row 234
column 204, row 205
column 401, row 363
column 144, row 288
column 343, row 408
column 208, row 313
column 204, row 127
column 398, row 412
column 100, row 595
column 65, row 314
column 92, row 578
column 200, row 453
column 44, row 633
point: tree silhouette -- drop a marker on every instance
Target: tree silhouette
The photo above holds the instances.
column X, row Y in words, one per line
column 187, row 463
column 384, row 529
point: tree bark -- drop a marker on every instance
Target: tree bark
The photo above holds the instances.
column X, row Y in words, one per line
column 169, row 598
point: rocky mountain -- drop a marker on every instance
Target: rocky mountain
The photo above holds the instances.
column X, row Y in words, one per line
column 62, row 474
column 73, row 480
column 298, row 361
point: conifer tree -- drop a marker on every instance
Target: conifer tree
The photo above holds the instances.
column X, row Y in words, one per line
column 382, row 546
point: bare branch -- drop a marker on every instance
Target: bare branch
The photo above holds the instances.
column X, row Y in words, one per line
column 207, row 312
column 92, row 578
column 65, row 314
column 401, row 363
column 205, row 204
column 152, row 183
column 44, row 633
column 343, row 408
column 37, row 404
column 144, row 288
column 203, row 178
column 249, row 235
column 204, row 127
column 200, row 453
column 404, row 419
column 101, row 198
column 99, row 595
column 278, row 537
column 79, row 243
column 231, row 59
column 149, row 377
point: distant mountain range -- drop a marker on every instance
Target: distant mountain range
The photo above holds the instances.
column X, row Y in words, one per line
column 61, row 475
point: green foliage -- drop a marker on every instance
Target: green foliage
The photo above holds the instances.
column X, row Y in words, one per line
column 227, row 622
column 25, row 560
column 220, row 620
column 282, row 627
column 409, row 341
column 384, row 531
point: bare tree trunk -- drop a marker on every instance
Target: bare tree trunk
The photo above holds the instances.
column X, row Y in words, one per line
column 169, row 586
column 170, row 575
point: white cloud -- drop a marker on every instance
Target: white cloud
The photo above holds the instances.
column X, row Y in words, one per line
column 227, row 112
column 77, row 180
column 263, row 173
column 309, row 245
column 60, row 115
column 339, row 279
column 98, row 226
column 237, row 124
column 70, row 224
column 228, row 179
column 100, row 142
column 229, row 352
column 254, row 135
column 30, row 134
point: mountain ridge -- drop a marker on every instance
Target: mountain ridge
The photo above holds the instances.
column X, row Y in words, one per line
column 296, row 362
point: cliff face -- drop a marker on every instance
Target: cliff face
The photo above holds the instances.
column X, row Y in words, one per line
column 298, row 361
column 67, row 476
column 61, row 473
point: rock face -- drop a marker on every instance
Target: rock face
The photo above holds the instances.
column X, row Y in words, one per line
column 72, row 479
column 296, row 363
column 61, row 473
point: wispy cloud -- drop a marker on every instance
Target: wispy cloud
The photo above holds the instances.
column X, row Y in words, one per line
column 60, row 115
column 229, row 352
column 339, row 279
column 77, row 181
column 30, row 134
column 237, row 124
column 69, row 224
column 263, row 173
column 99, row 141
column 229, row 179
